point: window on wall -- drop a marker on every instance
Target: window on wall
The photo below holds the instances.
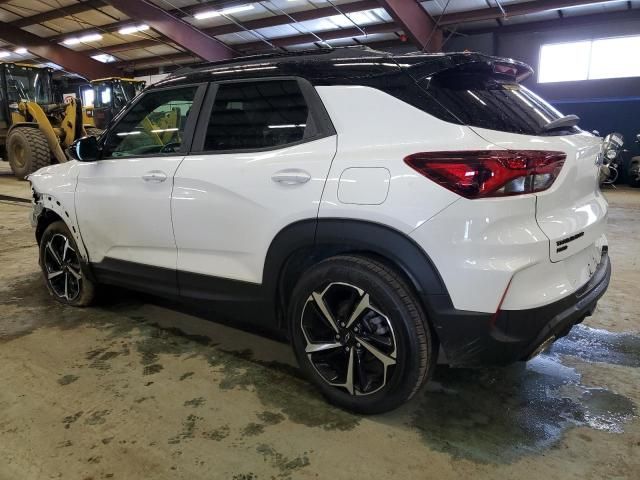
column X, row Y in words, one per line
column 590, row 60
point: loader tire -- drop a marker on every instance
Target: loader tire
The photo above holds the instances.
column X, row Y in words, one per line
column 27, row 151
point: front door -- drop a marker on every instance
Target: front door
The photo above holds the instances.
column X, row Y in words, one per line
column 123, row 201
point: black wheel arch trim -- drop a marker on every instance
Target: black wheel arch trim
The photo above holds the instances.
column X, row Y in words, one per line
column 301, row 244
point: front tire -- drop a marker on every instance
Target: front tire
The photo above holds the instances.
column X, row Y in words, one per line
column 27, row 151
column 360, row 334
column 64, row 274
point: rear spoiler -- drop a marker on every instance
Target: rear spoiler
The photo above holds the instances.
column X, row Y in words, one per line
column 423, row 66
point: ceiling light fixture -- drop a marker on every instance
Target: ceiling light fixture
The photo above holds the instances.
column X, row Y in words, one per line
column 133, row 29
column 225, row 11
column 92, row 37
column 21, row 51
column 104, row 58
column 4, row 54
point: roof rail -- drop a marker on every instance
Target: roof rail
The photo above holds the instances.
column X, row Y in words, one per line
column 354, row 50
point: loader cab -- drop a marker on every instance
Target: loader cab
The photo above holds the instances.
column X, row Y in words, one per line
column 21, row 83
column 110, row 95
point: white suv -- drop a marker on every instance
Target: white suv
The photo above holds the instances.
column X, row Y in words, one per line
column 384, row 212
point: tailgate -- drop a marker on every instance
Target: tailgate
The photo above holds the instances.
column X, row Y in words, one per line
column 573, row 212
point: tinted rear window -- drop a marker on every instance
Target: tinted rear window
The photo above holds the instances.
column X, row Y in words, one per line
column 262, row 114
column 485, row 102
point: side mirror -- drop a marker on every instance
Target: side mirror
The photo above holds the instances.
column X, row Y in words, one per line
column 85, row 149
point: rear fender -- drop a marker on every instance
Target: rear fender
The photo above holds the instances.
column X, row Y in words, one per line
column 303, row 244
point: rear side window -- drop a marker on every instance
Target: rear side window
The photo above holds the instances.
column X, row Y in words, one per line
column 255, row 115
column 482, row 101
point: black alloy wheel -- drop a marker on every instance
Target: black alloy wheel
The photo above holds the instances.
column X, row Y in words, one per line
column 360, row 334
column 64, row 273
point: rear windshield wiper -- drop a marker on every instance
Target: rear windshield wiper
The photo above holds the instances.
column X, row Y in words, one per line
column 567, row 121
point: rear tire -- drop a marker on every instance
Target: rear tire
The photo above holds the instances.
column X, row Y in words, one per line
column 27, row 151
column 360, row 334
column 64, row 273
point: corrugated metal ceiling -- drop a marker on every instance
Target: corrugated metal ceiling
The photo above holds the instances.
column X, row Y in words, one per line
column 150, row 45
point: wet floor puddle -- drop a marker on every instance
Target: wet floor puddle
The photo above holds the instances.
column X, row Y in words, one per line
column 501, row 414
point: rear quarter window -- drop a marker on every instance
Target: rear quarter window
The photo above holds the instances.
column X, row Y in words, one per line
column 486, row 102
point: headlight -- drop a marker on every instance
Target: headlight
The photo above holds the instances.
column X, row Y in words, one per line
column 611, row 154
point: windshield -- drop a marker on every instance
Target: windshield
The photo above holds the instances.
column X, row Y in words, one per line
column 28, row 84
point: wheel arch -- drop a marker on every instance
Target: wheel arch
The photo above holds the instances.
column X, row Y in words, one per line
column 52, row 209
column 46, row 218
column 303, row 244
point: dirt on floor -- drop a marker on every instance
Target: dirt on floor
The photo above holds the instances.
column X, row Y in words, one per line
column 130, row 389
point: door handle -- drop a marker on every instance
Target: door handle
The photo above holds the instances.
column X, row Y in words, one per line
column 156, row 176
column 291, row 177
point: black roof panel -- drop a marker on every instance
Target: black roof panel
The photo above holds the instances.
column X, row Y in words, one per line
column 338, row 66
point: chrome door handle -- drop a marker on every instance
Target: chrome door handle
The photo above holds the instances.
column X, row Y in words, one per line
column 291, row 177
column 156, row 176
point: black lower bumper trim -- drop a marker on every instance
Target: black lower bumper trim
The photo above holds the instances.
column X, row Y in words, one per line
column 474, row 338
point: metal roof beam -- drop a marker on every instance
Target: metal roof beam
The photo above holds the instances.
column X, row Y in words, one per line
column 566, row 22
column 511, row 10
column 178, row 30
column 416, row 23
column 68, row 59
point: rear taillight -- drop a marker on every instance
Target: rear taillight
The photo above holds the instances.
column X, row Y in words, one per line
column 490, row 173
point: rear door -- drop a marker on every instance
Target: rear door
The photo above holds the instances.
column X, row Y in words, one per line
column 572, row 212
column 260, row 159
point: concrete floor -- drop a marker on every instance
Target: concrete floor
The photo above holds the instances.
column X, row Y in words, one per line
column 133, row 390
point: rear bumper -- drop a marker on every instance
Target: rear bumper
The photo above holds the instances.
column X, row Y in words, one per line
column 474, row 339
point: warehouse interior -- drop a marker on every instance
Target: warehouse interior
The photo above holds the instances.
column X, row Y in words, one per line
column 140, row 386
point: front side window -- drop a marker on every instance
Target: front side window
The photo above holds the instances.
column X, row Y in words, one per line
column 155, row 125
column 255, row 115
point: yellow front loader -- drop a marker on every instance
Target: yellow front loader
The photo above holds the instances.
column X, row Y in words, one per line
column 34, row 131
